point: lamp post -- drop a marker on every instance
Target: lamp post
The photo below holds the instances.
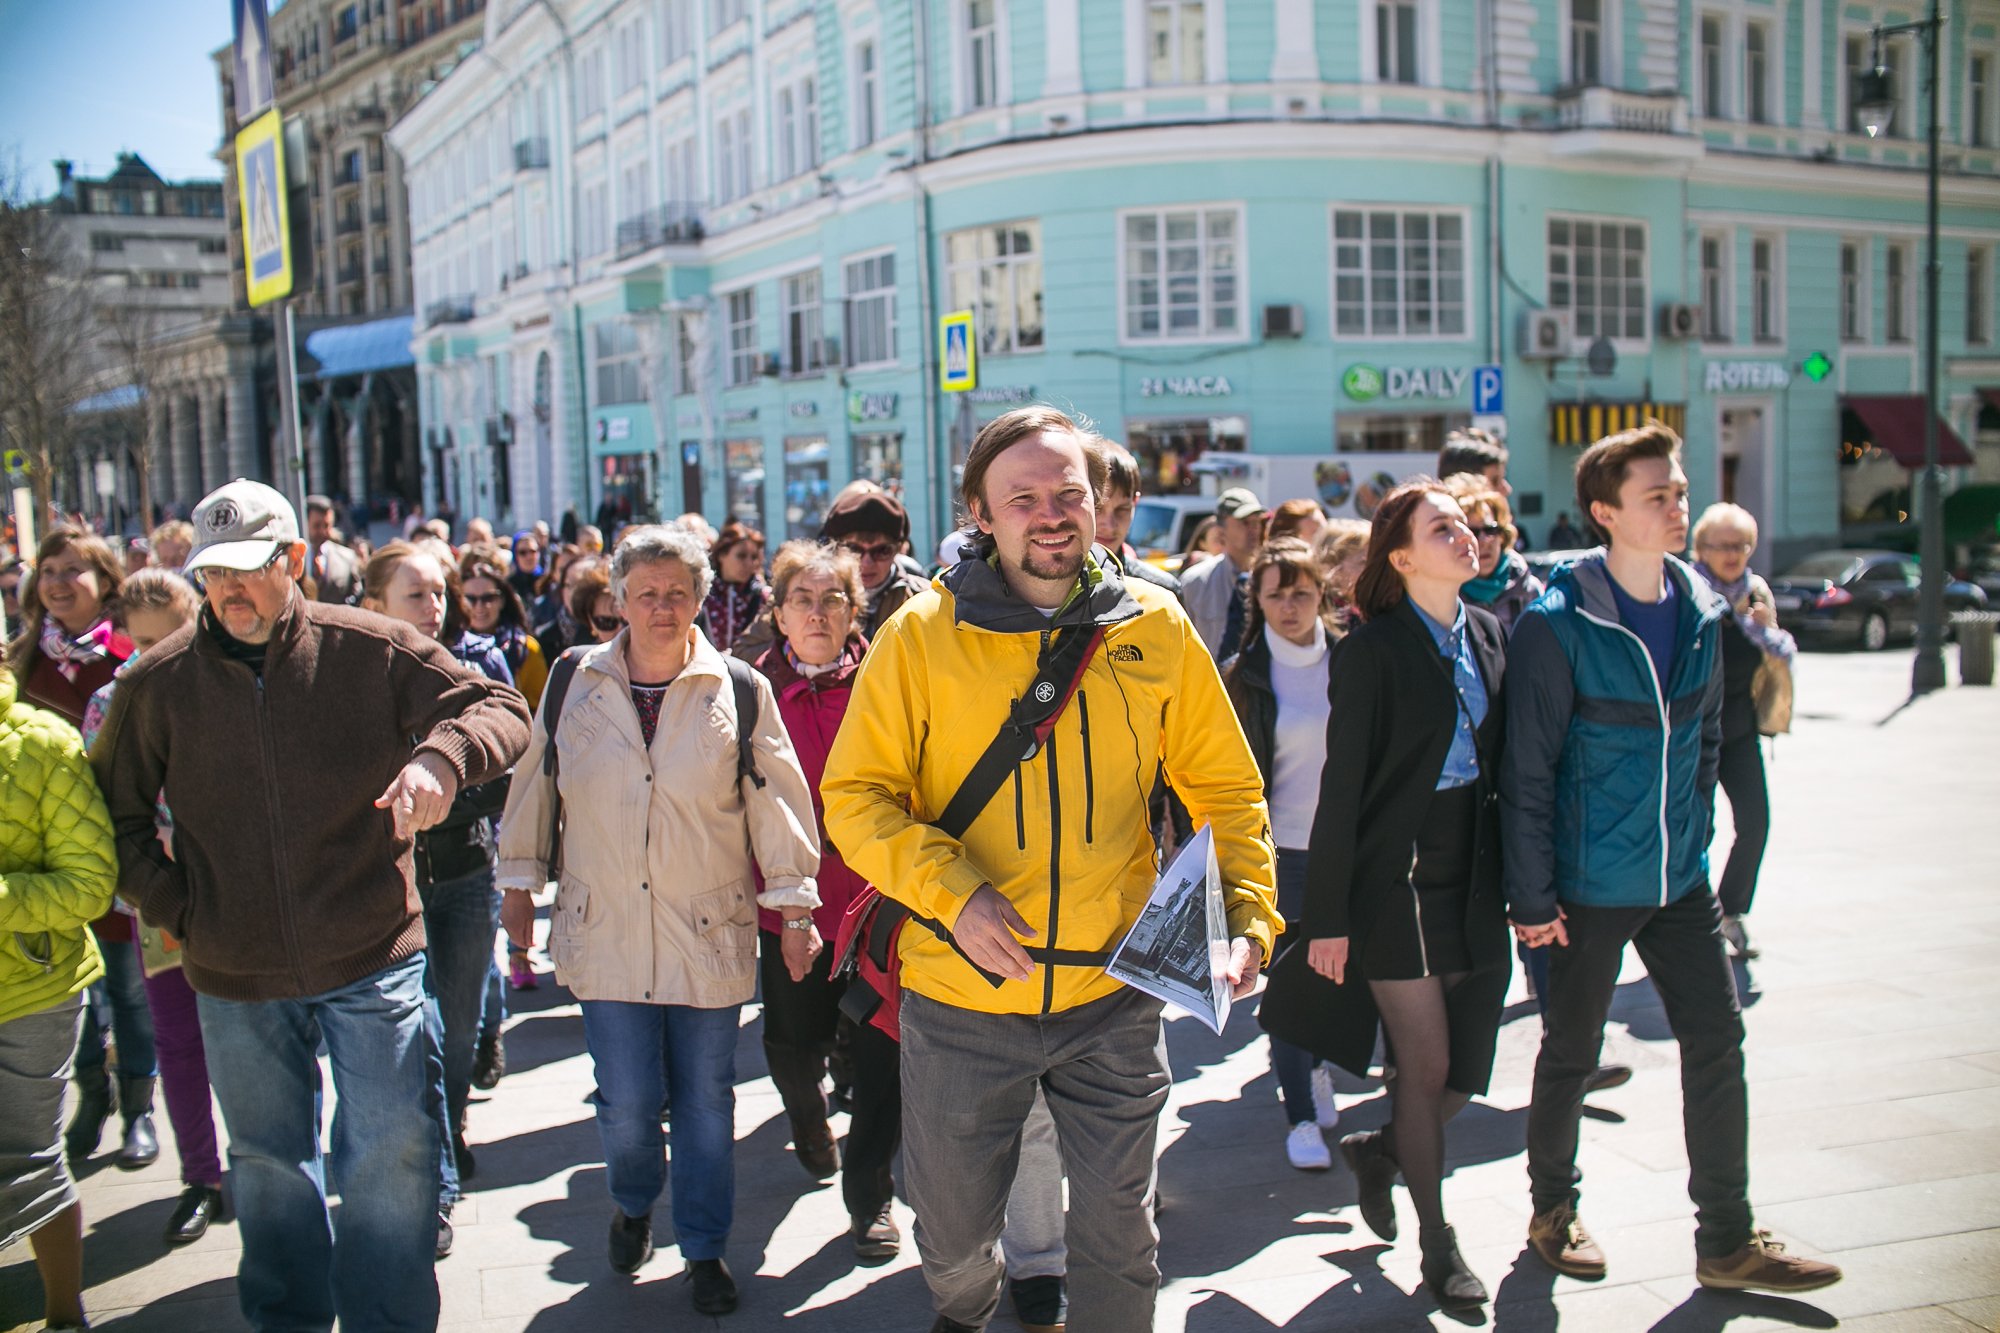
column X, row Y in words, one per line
column 1875, row 105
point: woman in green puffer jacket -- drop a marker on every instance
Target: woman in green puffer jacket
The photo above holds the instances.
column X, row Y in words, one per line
column 57, row 872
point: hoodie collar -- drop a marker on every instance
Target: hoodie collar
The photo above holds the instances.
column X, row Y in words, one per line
column 982, row 599
column 1592, row 582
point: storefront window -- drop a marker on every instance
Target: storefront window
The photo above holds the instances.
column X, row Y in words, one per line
column 743, row 466
column 1166, row 449
column 625, row 491
column 878, row 457
column 1402, row 433
column 807, row 489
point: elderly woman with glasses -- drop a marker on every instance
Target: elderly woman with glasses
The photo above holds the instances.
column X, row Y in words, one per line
column 655, row 921
column 1505, row 585
column 817, row 595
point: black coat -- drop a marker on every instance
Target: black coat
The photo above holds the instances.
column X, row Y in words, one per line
column 1394, row 712
column 1247, row 679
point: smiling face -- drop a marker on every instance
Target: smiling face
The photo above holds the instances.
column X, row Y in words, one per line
column 71, row 590
column 1442, row 548
column 415, row 595
column 815, row 616
column 1652, row 510
column 483, row 600
column 659, row 605
column 1039, row 510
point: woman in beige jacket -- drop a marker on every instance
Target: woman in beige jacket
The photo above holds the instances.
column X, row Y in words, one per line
column 655, row 920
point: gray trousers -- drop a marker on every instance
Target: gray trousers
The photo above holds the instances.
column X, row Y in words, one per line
column 1033, row 1244
column 969, row 1083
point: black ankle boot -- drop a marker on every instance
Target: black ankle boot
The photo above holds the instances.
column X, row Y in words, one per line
column 1374, row 1179
column 198, row 1206
column 93, row 1108
column 1453, row 1285
column 141, row 1147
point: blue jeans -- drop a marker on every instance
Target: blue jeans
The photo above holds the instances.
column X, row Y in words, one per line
column 494, row 1011
column 117, row 1002
column 1292, row 1064
column 297, row 1273
column 643, row 1053
column 460, row 917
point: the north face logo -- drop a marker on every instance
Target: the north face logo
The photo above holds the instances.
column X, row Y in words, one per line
column 1127, row 652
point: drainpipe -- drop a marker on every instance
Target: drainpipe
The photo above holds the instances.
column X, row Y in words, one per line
column 937, row 454
column 582, row 417
column 575, row 269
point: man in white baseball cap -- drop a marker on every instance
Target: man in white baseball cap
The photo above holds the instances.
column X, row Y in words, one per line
column 270, row 725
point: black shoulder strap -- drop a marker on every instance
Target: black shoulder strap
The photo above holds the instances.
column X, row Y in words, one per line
column 553, row 694
column 743, row 680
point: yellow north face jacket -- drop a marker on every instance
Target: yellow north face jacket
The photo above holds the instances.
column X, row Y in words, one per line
column 1066, row 837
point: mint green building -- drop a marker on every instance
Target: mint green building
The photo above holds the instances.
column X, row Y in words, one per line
column 691, row 254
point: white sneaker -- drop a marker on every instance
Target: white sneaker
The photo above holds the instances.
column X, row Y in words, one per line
column 1306, row 1149
column 1324, row 1111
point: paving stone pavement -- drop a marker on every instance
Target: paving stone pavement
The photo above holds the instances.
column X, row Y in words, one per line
column 1874, row 1055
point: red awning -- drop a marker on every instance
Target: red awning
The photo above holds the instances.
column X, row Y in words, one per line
column 1896, row 424
column 1992, row 397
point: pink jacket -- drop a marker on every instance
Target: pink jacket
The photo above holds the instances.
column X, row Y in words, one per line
column 811, row 709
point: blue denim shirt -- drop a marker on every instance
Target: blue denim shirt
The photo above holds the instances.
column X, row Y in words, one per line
column 1461, row 763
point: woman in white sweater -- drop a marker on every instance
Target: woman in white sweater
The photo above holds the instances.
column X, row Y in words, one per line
column 1277, row 682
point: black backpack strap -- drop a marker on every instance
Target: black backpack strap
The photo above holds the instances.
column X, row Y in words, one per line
column 553, row 694
column 743, row 680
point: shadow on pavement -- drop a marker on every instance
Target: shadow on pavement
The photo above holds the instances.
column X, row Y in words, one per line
column 1711, row 1312
column 535, row 1155
column 207, row 1307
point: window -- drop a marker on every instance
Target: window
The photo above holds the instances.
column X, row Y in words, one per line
column 1715, row 294
column 618, row 379
column 635, row 190
column 865, row 81
column 1711, row 67
column 1764, row 312
column 1176, row 43
column 798, row 129
column 1597, row 271
column 871, row 310
column 676, row 30
column 683, row 173
column 1181, row 271
column 111, row 240
column 745, row 146
column 985, row 54
column 743, row 472
column 1895, row 58
column 1978, row 293
column 1979, row 102
column 803, row 338
column 725, row 160
column 594, row 219
column 1757, row 73
column 996, row 272
column 1897, row 293
column 808, row 490
column 687, row 378
column 878, row 456
column 742, row 337
column 1398, row 275
column 1854, row 63
column 590, row 85
column 1586, row 42
column 1853, row 310
column 631, row 57
column 1396, row 42
column 726, row 12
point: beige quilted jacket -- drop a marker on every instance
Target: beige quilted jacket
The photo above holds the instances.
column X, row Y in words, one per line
column 656, row 902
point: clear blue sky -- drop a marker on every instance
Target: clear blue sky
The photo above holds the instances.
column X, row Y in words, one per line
column 88, row 79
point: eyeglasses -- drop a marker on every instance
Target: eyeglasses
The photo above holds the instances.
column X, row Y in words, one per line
column 606, row 624
column 879, row 551
column 1493, row 530
column 831, row 605
column 1729, row 548
column 209, row 577
column 483, row 599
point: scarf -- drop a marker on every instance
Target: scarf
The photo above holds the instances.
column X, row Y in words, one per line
column 1486, row 589
column 71, row 656
column 1770, row 640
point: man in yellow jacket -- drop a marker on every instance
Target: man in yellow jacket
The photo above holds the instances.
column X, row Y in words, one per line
column 1002, row 967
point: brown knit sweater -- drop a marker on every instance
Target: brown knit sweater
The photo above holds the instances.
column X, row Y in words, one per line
column 286, row 881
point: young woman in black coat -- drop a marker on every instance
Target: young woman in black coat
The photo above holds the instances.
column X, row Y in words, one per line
column 1404, row 920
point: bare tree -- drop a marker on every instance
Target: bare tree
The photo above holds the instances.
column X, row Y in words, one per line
column 134, row 344
column 46, row 332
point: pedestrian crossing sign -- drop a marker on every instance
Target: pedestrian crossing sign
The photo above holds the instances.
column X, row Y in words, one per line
column 959, row 368
column 260, row 187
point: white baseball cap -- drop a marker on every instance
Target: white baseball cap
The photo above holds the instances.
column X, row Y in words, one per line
column 241, row 526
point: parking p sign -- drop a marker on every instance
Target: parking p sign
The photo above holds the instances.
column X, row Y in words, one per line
column 1488, row 391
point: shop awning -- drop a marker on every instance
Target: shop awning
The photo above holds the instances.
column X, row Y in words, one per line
column 1587, row 423
column 1992, row 397
column 1895, row 425
column 355, row 349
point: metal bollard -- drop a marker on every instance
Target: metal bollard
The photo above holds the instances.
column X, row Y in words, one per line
column 1974, row 631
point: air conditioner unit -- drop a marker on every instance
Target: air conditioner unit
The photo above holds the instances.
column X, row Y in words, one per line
column 1284, row 321
column 1678, row 319
column 1545, row 335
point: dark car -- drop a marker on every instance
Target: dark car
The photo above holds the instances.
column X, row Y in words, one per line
column 1985, row 571
column 1864, row 598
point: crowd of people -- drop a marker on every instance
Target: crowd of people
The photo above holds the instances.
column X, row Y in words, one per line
column 275, row 793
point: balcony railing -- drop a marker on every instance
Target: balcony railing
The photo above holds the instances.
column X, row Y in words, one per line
column 451, row 310
column 531, row 155
column 1618, row 109
column 347, row 223
column 675, row 223
column 352, row 273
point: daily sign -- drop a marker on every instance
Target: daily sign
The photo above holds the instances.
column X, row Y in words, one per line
column 1362, row 382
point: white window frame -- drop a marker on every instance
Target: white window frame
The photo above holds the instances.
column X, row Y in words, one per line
column 1712, row 85
column 726, row 190
column 1718, row 294
column 675, row 24
column 687, row 377
column 795, row 128
column 726, row 13
column 590, row 84
column 866, row 60
column 1390, row 47
column 1899, row 309
column 984, row 52
column 1978, row 120
column 1978, row 295
column 808, row 338
column 739, row 312
column 1863, row 290
column 982, row 270
column 615, row 350
column 1756, row 89
column 1767, row 325
column 1573, row 77
column 1206, row 303
column 629, row 58
column 1852, row 41
column 854, row 301
column 1623, row 342
column 1177, row 55
column 1467, row 308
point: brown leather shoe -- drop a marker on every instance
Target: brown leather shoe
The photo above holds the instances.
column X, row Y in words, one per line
column 1763, row 1265
column 1559, row 1238
column 876, row 1237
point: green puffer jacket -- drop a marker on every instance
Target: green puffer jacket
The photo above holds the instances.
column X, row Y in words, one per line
column 57, row 861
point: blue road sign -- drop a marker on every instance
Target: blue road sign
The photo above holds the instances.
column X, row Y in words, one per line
column 252, row 54
column 1488, row 391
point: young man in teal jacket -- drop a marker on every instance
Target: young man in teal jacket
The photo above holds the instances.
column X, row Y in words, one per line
column 1614, row 728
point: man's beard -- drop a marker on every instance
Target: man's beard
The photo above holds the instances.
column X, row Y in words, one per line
column 1036, row 565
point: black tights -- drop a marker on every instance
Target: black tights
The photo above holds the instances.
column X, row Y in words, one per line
column 1419, row 1032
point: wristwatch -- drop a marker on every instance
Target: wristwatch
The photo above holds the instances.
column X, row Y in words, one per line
column 799, row 923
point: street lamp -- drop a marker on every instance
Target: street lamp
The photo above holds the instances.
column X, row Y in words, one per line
column 1875, row 108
